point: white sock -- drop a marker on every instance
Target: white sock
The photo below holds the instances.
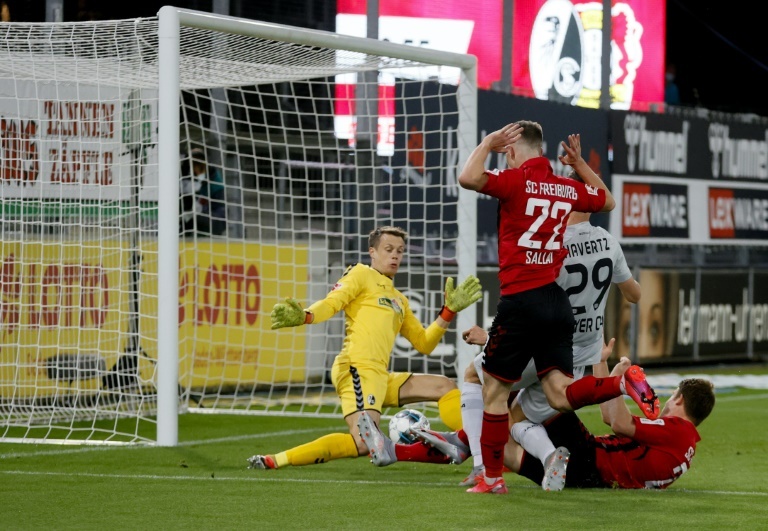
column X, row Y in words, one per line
column 534, row 439
column 472, row 418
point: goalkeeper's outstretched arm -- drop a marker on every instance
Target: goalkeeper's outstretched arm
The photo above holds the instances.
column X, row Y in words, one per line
column 456, row 299
column 289, row 313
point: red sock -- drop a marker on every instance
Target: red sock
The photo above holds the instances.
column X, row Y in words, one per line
column 462, row 435
column 492, row 440
column 590, row 390
column 421, row 453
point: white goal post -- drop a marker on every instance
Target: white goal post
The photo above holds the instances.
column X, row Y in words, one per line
column 167, row 180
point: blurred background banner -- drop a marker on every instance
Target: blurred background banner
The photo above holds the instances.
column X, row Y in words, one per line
column 547, row 49
column 689, row 315
column 557, row 51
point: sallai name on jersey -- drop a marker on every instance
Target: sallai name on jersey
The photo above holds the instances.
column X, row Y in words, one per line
column 538, row 257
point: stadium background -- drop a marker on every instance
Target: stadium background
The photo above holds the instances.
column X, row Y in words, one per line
column 203, row 482
column 715, row 256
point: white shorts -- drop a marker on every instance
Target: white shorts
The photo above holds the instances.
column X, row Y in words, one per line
column 534, row 402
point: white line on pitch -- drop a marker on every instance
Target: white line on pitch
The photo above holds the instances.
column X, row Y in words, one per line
column 86, row 449
column 345, row 481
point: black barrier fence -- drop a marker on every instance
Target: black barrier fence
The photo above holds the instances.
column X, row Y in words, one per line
column 684, row 316
column 693, row 315
column 698, row 180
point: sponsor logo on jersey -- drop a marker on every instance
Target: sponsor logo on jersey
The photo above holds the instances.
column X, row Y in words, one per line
column 657, row 422
column 391, row 303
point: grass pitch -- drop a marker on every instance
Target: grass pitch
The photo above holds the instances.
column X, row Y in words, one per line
column 203, row 483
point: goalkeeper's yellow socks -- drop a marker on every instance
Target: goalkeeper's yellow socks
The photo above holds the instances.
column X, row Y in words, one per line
column 449, row 407
column 326, row 448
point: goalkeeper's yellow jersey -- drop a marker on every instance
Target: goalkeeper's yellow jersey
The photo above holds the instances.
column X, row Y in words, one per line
column 375, row 313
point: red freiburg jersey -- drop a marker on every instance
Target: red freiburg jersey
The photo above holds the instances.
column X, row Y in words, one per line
column 534, row 205
column 658, row 454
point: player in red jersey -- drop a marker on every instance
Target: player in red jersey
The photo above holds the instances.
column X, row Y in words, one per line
column 643, row 453
column 534, row 317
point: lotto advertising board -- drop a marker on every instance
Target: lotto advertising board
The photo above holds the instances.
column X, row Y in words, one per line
column 225, row 293
column 721, row 315
column 688, row 180
column 449, row 25
column 63, row 315
column 66, row 314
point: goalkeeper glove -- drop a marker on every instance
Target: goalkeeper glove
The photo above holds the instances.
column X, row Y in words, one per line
column 288, row 313
column 469, row 292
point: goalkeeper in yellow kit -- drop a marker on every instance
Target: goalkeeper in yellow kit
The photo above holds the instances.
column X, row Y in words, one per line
column 375, row 313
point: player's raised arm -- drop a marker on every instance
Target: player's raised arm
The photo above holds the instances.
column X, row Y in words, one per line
column 456, row 299
column 473, row 175
column 615, row 412
column 574, row 159
column 289, row 313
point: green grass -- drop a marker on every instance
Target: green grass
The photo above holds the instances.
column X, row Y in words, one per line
column 203, row 484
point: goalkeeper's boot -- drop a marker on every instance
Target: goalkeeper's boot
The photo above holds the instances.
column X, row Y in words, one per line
column 476, row 475
column 636, row 386
column 554, row 472
column 483, row 487
column 381, row 449
column 448, row 443
column 262, row 462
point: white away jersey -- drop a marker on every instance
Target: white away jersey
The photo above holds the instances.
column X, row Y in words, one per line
column 594, row 261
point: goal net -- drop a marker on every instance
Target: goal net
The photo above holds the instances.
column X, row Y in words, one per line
column 167, row 180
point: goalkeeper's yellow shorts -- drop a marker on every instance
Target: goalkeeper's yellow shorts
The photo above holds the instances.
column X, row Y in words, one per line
column 361, row 388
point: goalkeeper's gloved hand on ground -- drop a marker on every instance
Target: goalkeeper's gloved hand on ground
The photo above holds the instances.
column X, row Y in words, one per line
column 456, row 299
column 288, row 313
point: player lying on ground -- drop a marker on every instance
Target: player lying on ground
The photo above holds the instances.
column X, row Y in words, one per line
column 375, row 312
column 641, row 453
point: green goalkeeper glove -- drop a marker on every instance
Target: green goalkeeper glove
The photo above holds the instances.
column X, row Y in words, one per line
column 469, row 292
column 288, row 313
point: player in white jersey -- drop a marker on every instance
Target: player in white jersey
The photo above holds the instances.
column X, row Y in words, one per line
column 595, row 261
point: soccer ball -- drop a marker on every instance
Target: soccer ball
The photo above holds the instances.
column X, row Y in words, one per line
column 404, row 419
